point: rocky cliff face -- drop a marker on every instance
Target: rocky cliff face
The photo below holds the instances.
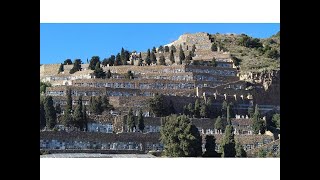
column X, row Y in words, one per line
column 264, row 78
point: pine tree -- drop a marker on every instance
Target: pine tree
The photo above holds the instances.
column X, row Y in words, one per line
column 61, row 69
column 50, row 113
column 130, row 121
column 140, row 121
column 162, row 60
column 210, row 147
column 179, row 137
column 67, row 62
column 76, row 66
column 197, row 109
column 171, row 57
column 98, row 72
column 228, row 143
column 93, row 62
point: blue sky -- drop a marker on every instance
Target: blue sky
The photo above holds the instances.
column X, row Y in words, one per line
column 59, row 41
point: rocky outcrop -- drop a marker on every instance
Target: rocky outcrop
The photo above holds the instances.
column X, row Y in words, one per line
column 265, row 78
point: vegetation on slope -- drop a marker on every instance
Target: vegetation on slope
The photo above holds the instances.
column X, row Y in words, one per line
column 253, row 54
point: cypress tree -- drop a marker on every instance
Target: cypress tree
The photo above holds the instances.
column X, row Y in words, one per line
column 219, row 124
column 58, row 108
column 105, row 103
column 182, row 56
column 148, row 58
column 77, row 115
column 154, row 50
column 171, row 57
column 109, row 75
column 197, row 109
column 193, row 48
column 160, row 49
column 69, row 101
column 140, row 121
column 228, row 143
column 130, row 121
column 162, row 60
column 50, row 113
column 171, row 109
column 118, row 60
column 210, row 147
column 84, row 118
column 173, row 48
column 228, row 115
column 166, row 49
column 153, row 58
column 42, row 115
